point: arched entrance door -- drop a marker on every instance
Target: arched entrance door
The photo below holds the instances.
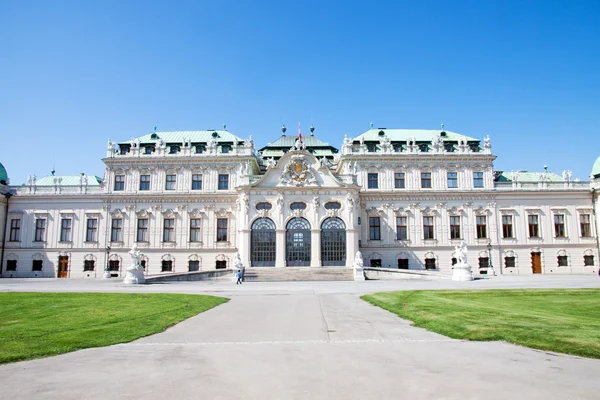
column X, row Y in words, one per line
column 262, row 243
column 297, row 243
column 333, row 242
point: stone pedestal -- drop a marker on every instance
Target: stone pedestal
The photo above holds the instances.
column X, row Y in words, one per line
column 134, row 275
column 359, row 274
column 462, row 272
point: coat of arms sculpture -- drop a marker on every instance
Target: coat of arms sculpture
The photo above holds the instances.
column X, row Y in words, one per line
column 297, row 172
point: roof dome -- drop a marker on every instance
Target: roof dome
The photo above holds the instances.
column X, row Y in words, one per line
column 596, row 169
column 3, row 175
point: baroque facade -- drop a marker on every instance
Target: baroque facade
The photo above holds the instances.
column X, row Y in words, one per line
column 405, row 199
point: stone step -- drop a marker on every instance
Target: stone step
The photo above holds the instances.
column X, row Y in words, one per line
column 274, row 274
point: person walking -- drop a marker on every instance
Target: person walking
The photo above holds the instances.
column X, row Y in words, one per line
column 238, row 275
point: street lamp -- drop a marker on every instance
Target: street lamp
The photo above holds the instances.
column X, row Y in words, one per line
column 489, row 247
column 106, row 269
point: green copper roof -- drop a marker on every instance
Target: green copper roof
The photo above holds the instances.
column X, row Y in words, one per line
column 193, row 136
column 68, row 180
column 289, row 141
column 596, row 168
column 3, row 175
column 402, row 135
column 315, row 146
column 526, row 176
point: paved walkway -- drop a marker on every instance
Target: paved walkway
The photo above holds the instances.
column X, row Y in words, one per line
column 301, row 341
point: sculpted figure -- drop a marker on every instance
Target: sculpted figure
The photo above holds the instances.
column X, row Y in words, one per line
column 358, row 260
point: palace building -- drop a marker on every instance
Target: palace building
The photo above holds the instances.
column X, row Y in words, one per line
column 404, row 198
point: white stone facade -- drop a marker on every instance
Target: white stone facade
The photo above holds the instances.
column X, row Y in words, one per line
column 401, row 206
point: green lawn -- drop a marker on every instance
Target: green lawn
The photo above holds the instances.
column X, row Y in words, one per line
column 34, row 325
column 561, row 320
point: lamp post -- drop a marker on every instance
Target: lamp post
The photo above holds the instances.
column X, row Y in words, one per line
column 106, row 269
column 489, row 247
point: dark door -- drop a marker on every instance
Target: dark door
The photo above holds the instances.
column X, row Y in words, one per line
column 333, row 242
column 63, row 266
column 536, row 263
column 297, row 244
column 262, row 243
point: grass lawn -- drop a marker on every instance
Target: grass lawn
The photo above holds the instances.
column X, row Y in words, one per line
column 34, row 325
column 560, row 320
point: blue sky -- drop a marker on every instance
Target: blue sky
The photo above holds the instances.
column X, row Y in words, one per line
column 75, row 73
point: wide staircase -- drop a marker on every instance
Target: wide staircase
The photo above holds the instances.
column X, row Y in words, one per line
column 290, row 274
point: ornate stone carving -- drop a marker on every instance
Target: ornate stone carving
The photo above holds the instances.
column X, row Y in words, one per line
column 297, row 172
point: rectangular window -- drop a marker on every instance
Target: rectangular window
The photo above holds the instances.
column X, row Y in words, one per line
column 197, row 182
column 223, row 182
column 586, row 230
column 374, row 228
column 195, row 230
column 88, row 265
column 221, row 264
column 430, row 263
column 169, row 230
column 40, row 230
column 533, row 226
column 115, row 230
column 375, row 263
column 484, row 262
column 454, row 227
column 481, row 222
column 509, row 262
column 91, row 234
column 401, row 228
column 426, row 180
column 11, row 265
column 588, row 261
column 15, row 230
column 113, row 265
column 37, row 265
column 372, row 181
column 65, row 230
column 399, row 180
column 221, row 230
column 194, row 266
column 170, row 182
column 144, row 182
column 452, row 180
column 428, row 228
column 507, row 227
column 119, row 183
column 142, row 230
column 562, row 261
column 167, row 266
column 478, row 179
column 403, row 263
column 559, row 226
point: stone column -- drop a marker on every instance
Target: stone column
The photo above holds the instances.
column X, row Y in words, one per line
column 315, row 247
column 352, row 236
column 280, row 248
column 243, row 246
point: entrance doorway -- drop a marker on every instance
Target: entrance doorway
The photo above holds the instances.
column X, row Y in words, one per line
column 536, row 262
column 63, row 266
column 297, row 244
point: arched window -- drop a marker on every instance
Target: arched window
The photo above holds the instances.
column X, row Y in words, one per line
column 333, row 205
column 333, row 242
column 298, row 206
column 298, row 242
column 262, row 243
column 263, row 206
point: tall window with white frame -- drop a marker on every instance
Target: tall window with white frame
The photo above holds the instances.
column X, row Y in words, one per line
column 142, row 230
column 223, row 182
column 399, row 181
column 222, row 230
column 15, row 230
column 454, row 227
column 452, row 180
column 586, row 228
column 144, row 182
column 119, row 183
column 115, row 230
column 401, row 228
column 195, row 230
column 40, row 230
column 168, row 230
column 373, row 180
column 426, row 180
column 534, row 227
column 65, row 229
column 559, row 226
column 478, row 179
column 507, row 226
column 91, row 234
column 171, row 182
column 196, row 181
column 481, row 223
column 428, row 228
column 374, row 228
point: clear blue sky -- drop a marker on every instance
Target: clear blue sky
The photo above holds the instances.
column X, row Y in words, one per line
column 75, row 73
